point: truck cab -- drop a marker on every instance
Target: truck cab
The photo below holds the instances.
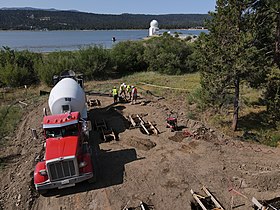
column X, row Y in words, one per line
column 68, row 156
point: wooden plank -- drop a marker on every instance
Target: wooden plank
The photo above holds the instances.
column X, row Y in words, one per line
column 25, row 104
column 140, row 118
column 132, row 121
column 197, row 200
column 212, row 198
column 258, row 204
column 145, row 129
column 154, row 128
column 108, row 133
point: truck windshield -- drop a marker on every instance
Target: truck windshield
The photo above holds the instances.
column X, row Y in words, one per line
column 70, row 130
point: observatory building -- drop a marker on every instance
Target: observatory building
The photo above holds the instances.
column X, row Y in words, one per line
column 153, row 30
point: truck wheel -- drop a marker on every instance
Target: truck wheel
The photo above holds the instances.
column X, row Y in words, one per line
column 42, row 192
column 94, row 163
column 92, row 179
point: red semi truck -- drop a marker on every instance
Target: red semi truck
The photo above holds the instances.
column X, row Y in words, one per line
column 68, row 157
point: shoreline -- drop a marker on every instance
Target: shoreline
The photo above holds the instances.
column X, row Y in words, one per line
column 91, row 30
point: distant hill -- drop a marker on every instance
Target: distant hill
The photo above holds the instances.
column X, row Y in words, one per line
column 38, row 19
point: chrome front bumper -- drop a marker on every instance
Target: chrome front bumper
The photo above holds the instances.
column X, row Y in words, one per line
column 69, row 182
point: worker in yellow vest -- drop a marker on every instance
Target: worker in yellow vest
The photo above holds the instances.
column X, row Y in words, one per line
column 128, row 90
column 115, row 94
column 123, row 90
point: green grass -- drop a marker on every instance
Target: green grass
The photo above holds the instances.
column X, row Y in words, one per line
column 254, row 123
column 250, row 96
column 10, row 110
column 180, row 85
column 20, row 94
column 188, row 82
column 9, row 118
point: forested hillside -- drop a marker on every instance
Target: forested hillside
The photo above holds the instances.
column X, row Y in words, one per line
column 73, row 20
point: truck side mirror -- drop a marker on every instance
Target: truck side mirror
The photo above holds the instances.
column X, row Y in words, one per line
column 45, row 112
column 55, row 80
column 34, row 134
column 81, row 82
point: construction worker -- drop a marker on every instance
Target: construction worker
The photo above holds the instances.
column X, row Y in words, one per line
column 122, row 90
column 115, row 94
column 134, row 95
column 128, row 90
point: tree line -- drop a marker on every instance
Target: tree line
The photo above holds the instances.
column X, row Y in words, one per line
column 74, row 20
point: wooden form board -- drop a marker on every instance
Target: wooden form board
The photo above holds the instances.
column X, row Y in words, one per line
column 198, row 198
column 138, row 122
column 154, row 128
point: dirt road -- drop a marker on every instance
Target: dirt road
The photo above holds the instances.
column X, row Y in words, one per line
column 158, row 170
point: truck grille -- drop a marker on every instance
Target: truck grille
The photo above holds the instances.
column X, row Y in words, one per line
column 61, row 169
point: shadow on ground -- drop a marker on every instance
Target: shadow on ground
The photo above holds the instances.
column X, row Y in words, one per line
column 110, row 172
column 256, row 121
column 112, row 115
column 110, row 164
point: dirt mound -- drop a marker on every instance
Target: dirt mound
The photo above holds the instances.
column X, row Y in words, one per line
column 178, row 137
column 140, row 143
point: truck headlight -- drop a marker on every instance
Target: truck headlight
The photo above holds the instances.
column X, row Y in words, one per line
column 82, row 164
column 43, row 172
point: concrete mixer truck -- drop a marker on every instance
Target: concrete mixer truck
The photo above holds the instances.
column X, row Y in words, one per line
column 68, row 157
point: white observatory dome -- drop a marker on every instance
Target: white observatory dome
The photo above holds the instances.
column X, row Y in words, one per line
column 154, row 24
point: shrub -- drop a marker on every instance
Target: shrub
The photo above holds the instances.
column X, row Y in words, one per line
column 54, row 63
column 17, row 68
column 188, row 38
column 128, row 57
column 167, row 55
column 94, row 61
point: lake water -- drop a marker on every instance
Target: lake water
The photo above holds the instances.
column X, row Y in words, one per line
column 49, row 41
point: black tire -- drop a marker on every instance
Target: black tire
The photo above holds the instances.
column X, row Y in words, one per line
column 43, row 192
column 92, row 179
column 94, row 163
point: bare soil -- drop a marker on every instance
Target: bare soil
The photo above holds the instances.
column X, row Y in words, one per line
column 159, row 170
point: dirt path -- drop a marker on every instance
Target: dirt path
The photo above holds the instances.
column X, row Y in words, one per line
column 158, row 170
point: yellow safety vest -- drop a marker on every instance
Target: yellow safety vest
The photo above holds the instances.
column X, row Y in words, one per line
column 115, row 91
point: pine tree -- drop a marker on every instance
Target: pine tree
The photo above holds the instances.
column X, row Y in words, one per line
column 228, row 56
column 267, row 30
